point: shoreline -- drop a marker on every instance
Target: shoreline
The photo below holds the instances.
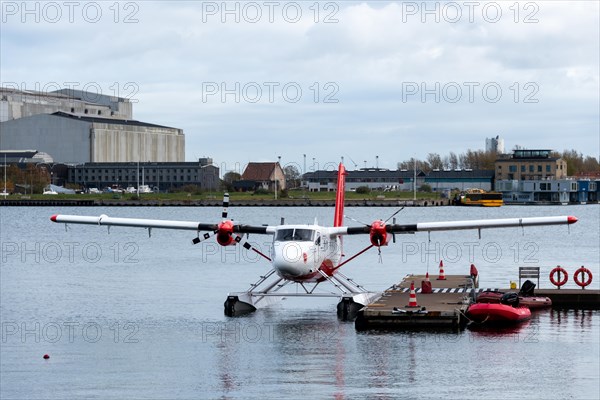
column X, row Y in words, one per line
column 219, row 203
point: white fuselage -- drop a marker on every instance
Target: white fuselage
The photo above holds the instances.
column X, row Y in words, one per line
column 300, row 251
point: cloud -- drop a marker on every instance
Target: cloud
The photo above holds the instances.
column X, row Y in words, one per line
column 375, row 78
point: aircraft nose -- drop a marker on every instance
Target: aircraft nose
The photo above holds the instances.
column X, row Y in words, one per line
column 292, row 259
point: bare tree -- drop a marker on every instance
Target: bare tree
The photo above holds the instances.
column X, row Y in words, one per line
column 435, row 161
column 292, row 176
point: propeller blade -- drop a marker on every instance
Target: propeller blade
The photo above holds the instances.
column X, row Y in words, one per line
column 206, row 235
column 225, row 206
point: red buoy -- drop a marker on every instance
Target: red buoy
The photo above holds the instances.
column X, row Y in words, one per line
column 46, row 356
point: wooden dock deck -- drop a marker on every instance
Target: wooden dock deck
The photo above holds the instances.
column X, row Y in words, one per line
column 444, row 308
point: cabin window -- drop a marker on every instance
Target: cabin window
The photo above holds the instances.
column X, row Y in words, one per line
column 303, row 235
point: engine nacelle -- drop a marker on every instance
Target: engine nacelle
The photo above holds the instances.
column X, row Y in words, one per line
column 378, row 235
column 225, row 233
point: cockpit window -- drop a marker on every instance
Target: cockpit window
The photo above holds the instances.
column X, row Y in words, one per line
column 301, row 235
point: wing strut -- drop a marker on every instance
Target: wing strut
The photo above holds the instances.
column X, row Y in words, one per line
column 354, row 256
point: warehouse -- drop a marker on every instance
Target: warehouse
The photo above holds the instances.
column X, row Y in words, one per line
column 72, row 138
column 79, row 127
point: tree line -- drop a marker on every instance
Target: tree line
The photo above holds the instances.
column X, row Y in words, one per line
column 577, row 163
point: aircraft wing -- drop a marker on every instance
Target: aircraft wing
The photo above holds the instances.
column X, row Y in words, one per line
column 482, row 224
column 457, row 225
column 105, row 220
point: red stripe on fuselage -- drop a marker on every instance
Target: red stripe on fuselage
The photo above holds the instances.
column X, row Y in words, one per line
column 338, row 219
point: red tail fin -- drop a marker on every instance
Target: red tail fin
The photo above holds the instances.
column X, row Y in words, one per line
column 338, row 219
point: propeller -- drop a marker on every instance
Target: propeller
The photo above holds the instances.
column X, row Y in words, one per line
column 223, row 230
column 377, row 231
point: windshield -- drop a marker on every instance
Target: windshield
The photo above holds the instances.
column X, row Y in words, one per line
column 303, row 235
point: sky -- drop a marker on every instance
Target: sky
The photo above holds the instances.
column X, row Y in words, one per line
column 308, row 83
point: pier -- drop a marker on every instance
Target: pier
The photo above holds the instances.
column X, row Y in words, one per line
column 445, row 307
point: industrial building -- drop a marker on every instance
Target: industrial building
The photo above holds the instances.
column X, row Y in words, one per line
column 15, row 104
column 158, row 176
column 461, row 179
column 79, row 127
column 373, row 178
column 401, row 180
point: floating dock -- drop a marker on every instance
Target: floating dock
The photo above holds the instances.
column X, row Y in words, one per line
column 444, row 308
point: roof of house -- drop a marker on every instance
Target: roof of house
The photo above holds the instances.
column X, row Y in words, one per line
column 259, row 171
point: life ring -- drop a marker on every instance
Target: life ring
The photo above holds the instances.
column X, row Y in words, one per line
column 582, row 271
column 558, row 270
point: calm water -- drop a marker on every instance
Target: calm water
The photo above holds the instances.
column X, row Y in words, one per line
column 123, row 315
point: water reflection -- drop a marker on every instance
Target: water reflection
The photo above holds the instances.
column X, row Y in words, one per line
column 300, row 347
column 492, row 332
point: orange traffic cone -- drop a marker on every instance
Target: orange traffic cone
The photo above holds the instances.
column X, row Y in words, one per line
column 442, row 275
column 426, row 285
column 412, row 299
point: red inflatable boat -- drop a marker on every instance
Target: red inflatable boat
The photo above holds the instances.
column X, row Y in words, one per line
column 497, row 313
column 531, row 302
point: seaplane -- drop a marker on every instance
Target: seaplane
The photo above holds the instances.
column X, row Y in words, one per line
column 306, row 255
